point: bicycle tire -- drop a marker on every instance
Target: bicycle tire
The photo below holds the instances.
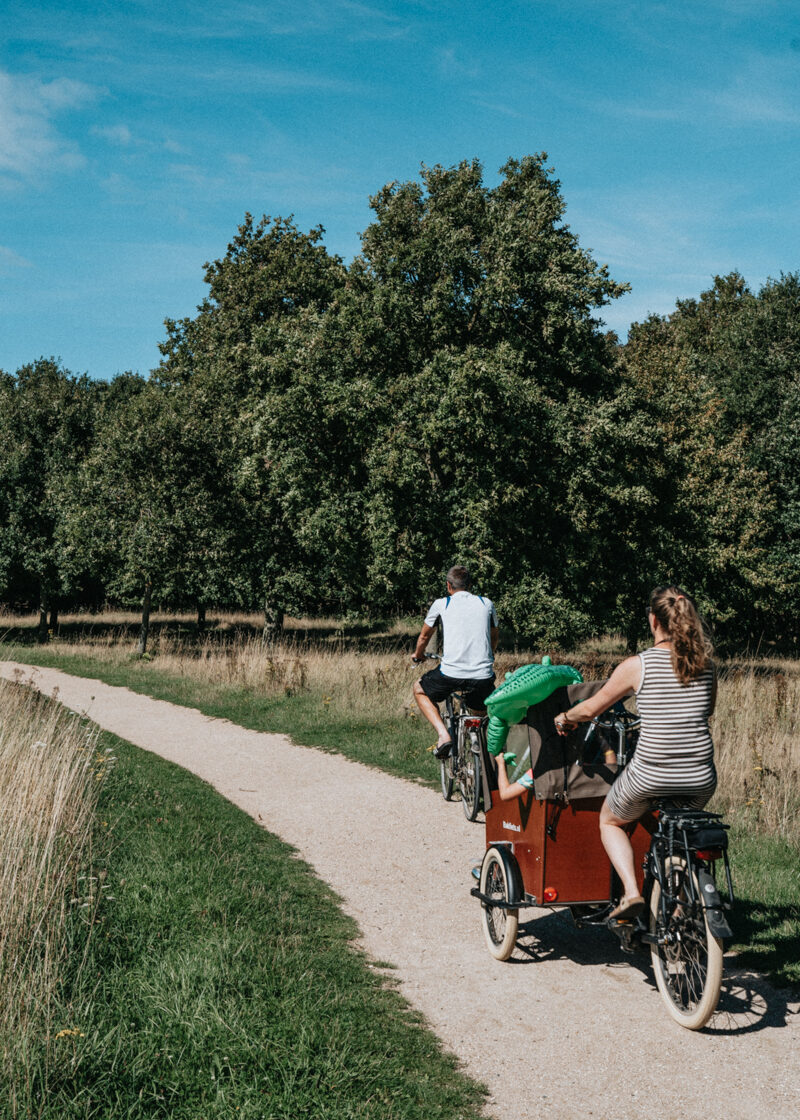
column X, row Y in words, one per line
column 469, row 774
column 500, row 924
column 688, row 965
column 446, row 775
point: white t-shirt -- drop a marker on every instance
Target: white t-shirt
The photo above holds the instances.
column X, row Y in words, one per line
column 466, row 624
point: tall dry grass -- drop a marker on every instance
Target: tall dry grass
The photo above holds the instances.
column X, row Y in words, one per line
column 49, row 771
column 757, row 737
column 756, row 727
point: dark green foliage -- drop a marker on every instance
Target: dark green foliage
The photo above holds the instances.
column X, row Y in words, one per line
column 46, row 426
column 719, row 380
column 474, row 323
column 330, row 439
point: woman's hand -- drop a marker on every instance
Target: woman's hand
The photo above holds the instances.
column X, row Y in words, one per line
column 564, row 725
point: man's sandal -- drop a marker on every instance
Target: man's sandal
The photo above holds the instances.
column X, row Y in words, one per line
column 442, row 750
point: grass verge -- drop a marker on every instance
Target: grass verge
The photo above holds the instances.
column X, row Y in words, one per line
column 766, row 919
column 222, row 980
column 395, row 743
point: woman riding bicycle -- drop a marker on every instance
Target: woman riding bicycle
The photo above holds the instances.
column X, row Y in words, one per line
column 675, row 684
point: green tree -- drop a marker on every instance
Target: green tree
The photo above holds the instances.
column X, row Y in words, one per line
column 46, row 423
column 471, row 312
column 252, row 352
column 699, row 374
column 150, row 509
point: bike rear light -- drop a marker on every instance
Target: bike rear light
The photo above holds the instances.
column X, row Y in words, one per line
column 473, row 722
column 709, row 853
column 550, row 894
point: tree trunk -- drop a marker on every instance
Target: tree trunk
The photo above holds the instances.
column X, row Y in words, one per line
column 201, row 618
column 53, row 617
column 44, row 605
column 145, row 630
column 633, row 632
column 273, row 622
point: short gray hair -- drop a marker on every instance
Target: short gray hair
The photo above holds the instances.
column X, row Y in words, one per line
column 458, row 578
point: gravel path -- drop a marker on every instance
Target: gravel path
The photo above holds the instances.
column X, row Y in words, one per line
column 570, row 1026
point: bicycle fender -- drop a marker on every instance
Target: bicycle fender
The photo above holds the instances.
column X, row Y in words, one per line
column 513, row 873
column 528, row 685
column 712, row 903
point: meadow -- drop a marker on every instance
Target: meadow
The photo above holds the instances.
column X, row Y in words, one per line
column 339, row 687
column 345, row 682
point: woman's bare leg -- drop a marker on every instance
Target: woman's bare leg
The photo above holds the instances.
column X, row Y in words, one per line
column 619, row 849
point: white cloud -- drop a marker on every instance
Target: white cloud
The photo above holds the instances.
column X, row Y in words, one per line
column 10, row 260
column 29, row 141
column 763, row 91
column 453, row 65
column 115, row 134
column 498, row 107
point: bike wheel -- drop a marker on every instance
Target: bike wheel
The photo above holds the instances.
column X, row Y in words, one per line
column 500, row 924
column 446, row 774
column 688, row 964
column 469, row 773
column 446, row 777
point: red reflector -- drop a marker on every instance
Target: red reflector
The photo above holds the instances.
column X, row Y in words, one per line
column 550, row 894
column 472, row 721
column 709, row 853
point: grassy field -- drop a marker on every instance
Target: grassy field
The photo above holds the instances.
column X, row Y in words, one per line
column 350, row 691
column 221, row 981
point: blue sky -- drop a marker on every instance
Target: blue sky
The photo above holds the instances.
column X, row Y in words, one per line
column 135, row 135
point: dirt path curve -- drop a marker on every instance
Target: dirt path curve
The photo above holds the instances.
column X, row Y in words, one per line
column 570, row 1027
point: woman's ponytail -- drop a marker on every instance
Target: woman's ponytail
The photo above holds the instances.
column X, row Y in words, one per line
column 678, row 617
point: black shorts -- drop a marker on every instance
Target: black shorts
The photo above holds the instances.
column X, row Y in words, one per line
column 438, row 687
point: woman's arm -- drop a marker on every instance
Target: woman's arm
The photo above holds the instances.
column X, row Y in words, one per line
column 625, row 678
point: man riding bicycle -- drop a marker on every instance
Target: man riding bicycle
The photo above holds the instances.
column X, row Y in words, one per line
column 469, row 639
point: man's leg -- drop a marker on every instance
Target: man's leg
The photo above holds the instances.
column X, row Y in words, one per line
column 475, row 695
column 431, row 713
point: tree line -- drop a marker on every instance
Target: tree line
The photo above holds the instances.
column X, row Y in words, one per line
column 330, row 438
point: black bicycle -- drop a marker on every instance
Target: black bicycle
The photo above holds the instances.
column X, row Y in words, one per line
column 684, row 923
column 463, row 767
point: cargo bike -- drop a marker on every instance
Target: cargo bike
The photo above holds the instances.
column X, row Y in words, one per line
column 544, row 850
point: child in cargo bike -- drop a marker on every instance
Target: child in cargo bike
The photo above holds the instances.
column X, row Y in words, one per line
column 675, row 685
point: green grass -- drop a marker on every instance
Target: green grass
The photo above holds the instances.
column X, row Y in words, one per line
column 222, row 981
column 766, row 919
column 396, row 744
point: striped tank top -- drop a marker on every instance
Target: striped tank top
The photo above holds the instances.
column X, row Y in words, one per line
column 674, row 743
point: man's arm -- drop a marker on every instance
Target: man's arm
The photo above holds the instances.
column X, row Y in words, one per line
column 422, row 642
column 493, row 636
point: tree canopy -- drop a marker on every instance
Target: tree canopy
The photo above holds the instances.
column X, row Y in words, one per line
column 323, row 437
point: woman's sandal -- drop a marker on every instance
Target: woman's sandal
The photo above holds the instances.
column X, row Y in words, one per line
column 627, row 908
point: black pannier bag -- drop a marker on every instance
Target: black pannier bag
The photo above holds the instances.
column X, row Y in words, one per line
column 565, row 768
